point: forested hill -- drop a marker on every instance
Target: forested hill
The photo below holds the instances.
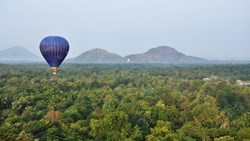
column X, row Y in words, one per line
column 165, row 55
column 97, row 56
column 124, row 102
column 161, row 54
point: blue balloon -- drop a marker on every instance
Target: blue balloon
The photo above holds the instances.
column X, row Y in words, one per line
column 54, row 50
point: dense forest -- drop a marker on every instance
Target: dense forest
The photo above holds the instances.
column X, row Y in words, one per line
column 124, row 102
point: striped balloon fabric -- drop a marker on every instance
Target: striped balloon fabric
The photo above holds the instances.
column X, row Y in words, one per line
column 54, row 49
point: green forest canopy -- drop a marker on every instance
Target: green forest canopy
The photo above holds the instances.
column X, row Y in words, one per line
column 124, row 102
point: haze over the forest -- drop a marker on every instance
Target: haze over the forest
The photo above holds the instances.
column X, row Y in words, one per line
column 209, row 29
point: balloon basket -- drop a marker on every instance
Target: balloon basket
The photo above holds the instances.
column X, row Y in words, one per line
column 55, row 69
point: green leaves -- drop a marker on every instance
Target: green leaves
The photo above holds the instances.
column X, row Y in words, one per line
column 124, row 102
column 114, row 126
column 162, row 131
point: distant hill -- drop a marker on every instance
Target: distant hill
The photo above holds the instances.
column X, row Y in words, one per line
column 17, row 53
column 163, row 54
column 97, row 56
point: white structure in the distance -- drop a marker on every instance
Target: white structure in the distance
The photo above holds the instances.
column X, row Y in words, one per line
column 210, row 78
column 128, row 61
column 242, row 83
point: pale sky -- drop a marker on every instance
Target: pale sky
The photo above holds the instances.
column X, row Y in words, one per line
column 211, row 29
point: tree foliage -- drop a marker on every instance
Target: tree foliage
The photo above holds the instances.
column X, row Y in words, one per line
column 124, row 102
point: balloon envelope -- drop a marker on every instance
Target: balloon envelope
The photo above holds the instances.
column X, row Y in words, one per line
column 54, row 50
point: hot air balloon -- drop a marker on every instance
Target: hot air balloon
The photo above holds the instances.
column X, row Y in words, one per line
column 54, row 50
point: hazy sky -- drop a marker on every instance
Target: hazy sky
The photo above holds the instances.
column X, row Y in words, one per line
column 211, row 29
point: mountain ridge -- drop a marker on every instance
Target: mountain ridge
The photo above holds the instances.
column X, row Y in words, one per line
column 18, row 53
column 160, row 54
column 97, row 55
column 163, row 54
